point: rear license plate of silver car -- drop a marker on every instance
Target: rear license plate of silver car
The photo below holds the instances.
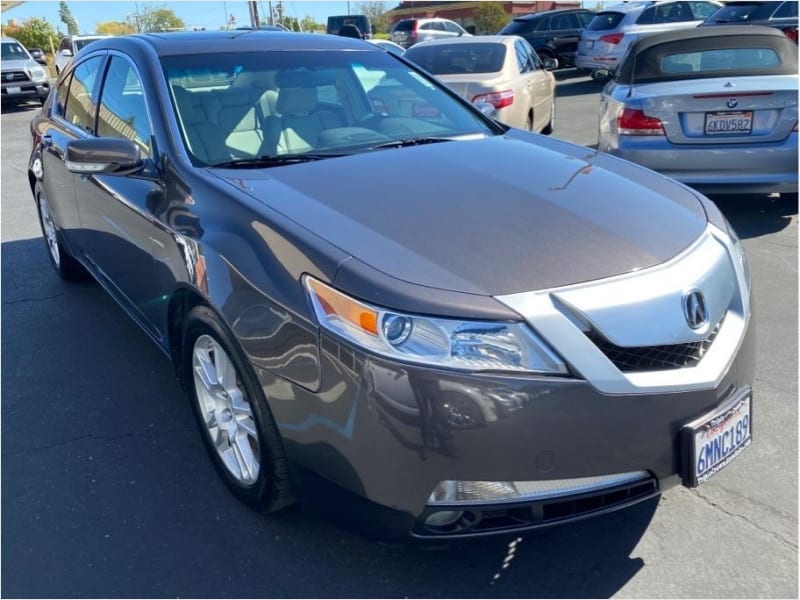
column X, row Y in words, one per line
column 729, row 123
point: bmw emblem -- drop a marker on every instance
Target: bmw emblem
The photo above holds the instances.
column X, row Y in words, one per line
column 695, row 309
column 733, row 103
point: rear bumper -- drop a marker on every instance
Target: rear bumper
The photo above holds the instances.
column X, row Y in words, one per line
column 388, row 433
column 745, row 169
column 591, row 62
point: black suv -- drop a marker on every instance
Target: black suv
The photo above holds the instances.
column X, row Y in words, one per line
column 781, row 15
column 553, row 33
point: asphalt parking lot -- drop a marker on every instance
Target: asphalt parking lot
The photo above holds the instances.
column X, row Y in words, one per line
column 107, row 490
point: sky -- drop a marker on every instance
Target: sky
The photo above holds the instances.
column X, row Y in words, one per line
column 210, row 14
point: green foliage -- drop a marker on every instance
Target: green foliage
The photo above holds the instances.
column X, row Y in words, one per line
column 34, row 32
column 489, row 17
column 376, row 11
column 65, row 14
column 115, row 28
column 151, row 18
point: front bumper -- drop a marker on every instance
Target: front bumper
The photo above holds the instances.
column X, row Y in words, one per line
column 23, row 91
column 715, row 168
column 388, row 433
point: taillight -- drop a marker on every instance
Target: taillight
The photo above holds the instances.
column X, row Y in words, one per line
column 612, row 38
column 791, row 33
column 632, row 121
column 497, row 99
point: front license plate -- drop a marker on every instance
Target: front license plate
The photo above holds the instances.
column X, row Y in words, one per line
column 13, row 89
column 729, row 123
column 715, row 440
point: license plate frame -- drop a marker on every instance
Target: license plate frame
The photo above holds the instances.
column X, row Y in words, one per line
column 729, row 116
column 13, row 89
column 699, row 437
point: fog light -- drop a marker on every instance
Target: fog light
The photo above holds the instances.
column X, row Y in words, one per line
column 443, row 518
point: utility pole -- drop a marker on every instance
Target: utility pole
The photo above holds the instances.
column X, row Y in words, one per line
column 271, row 15
column 254, row 21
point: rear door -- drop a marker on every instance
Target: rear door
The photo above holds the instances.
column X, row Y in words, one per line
column 563, row 36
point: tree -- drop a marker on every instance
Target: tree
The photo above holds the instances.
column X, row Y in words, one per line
column 489, row 17
column 65, row 14
column 33, row 32
column 376, row 12
column 155, row 18
column 115, row 28
column 309, row 24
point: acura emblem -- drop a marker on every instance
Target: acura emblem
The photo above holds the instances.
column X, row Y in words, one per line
column 732, row 103
column 695, row 310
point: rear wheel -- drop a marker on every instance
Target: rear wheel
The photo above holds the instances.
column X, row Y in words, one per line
column 61, row 260
column 235, row 422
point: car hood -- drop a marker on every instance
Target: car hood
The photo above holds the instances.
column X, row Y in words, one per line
column 18, row 65
column 492, row 216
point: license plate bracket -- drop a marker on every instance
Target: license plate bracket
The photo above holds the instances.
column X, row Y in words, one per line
column 737, row 122
column 13, row 89
column 713, row 441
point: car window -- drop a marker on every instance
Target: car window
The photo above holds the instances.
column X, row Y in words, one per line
column 13, row 51
column 536, row 61
column 785, row 10
column 452, row 27
column 404, row 25
column 80, row 44
column 61, row 97
column 727, row 59
column 742, row 12
column 543, row 24
column 702, row 10
column 523, row 65
column 81, row 99
column 451, row 59
column 563, row 21
column 584, row 18
column 670, row 12
column 123, row 111
column 63, row 45
column 518, row 27
column 605, row 20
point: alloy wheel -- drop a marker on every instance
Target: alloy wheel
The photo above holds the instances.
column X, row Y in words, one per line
column 226, row 410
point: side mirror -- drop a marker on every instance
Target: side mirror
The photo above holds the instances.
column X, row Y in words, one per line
column 601, row 74
column 550, row 63
column 103, row 155
column 66, row 52
column 486, row 108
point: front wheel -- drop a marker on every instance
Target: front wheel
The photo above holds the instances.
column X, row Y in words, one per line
column 235, row 422
column 61, row 260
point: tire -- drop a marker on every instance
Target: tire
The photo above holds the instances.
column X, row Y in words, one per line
column 233, row 416
column 63, row 263
column 529, row 122
column 548, row 129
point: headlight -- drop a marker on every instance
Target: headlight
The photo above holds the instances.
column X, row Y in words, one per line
column 36, row 74
column 449, row 343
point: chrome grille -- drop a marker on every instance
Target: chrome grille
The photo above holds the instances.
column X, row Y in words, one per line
column 654, row 358
column 13, row 76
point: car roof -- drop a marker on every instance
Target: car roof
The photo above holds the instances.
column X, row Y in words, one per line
column 546, row 13
column 210, row 42
column 703, row 32
column 629, row 7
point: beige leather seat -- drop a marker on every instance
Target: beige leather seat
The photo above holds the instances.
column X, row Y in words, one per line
column 202, row 136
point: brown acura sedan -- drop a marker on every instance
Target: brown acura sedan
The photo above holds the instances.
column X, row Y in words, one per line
column 524, row 333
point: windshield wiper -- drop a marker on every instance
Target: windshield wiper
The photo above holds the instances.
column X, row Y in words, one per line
column 416, row 141
column 271, row 161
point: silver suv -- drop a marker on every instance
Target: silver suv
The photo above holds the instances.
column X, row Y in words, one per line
column 22, row 77
column 410, row 31
column 608, row 35
column 69, row 47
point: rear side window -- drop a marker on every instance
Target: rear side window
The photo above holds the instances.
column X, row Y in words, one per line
column 565, row 21
column 727, row 59
column 518, row 27
column 458, row 58
column 605, row 20
column 81, row 103
column 787, row 9
column 123, row 112
column 702, row 10
column 672, row 12
column 584, row 18
column 404, row 25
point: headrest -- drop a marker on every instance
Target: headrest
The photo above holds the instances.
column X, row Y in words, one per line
column 296, row 100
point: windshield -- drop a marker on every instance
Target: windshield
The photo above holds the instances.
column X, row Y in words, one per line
column 14, row 51
column 605, row 20
column 272, row 104
column 80, row 44
column 441, row 59
column 336, row 23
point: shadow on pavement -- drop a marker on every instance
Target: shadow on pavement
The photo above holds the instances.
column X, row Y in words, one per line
column 578, row 87
column 754, row 216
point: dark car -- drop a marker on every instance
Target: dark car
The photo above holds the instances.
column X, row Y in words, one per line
column 552, row 33
column 38, row 55
column 781, row 15
column 360, row 22
column 560, row 334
